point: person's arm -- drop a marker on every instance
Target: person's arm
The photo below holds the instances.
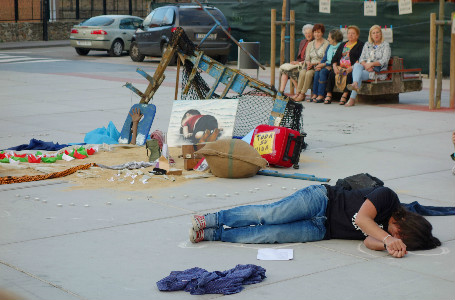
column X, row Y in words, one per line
column 365, row 220
column 135, row 116
column 186, row 134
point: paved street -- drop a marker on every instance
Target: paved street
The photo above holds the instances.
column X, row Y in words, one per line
column 91, row 250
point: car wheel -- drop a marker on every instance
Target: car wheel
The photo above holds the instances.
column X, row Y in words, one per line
column 173, row 60
column 135, row 54
column 82, row 51
column 116, row 48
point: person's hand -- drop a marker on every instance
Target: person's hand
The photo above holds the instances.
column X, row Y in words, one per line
column 309, row 67
column 135, row 115
column 349, row 70
column 336, row 69
column 395, row 247
column 187, row 135
column 294, row 62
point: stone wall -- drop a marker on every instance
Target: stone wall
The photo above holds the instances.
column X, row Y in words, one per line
column 18, row 32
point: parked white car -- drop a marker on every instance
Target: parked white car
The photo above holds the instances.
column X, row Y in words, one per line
column 108, row 32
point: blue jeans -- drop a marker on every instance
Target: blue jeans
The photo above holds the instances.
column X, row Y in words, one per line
column 320, row 81
column 299, row 217
column 358, row 75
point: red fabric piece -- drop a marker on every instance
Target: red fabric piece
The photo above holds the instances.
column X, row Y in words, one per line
column 20, row 155
column 91, row 151
column 66, row 152
column 159, row 136
column 78, row 155
column 32, row 159
column 2, row 155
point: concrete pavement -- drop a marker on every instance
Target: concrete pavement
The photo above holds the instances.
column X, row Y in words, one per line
column 119, row 251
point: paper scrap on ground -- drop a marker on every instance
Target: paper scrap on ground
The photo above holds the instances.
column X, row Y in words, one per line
column 275, row 254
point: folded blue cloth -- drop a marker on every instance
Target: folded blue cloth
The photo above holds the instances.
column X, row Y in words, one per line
column 109, row 135
column 39, row 145
column 198, row 281
column 426, row 210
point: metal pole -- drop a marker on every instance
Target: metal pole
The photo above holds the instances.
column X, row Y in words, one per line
column 130, row 7
column 432, row 59
column 272, row 46
column 78, row 15
column 45, row 19
column 16, row 10
column 104, row 8
column 440, row 53
column 287, row 35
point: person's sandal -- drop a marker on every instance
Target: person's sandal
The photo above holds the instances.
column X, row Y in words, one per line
column 328, row 100
column 343, row 100
column 316, row 100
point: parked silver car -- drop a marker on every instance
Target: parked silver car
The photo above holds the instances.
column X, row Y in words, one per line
column 155, row 33
column 108, row 32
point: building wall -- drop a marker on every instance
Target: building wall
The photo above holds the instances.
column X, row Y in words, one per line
column 28, row 31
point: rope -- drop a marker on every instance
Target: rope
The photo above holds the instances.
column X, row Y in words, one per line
column 27, row 178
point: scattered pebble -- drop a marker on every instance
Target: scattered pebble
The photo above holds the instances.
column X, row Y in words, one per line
column 72, row 204
column 44, row 201
column 283, row 187
column 236, row 193
column 17, row 195
column 86, row 205
column 129, row 198
column 36, row 199
column 294, row 188
column 227, row 195
column 59, row 205
column 172, row 196
column 108, row 203
column 257, row 189
column 269, row 184
column 186, row 196
column 27, row 197
column 250, row 191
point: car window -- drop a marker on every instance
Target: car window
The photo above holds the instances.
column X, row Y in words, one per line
column 169, row 17
column 197, row 16
column 126, row 24
column 148, row 20
column 136, row 22
column 98, row 21
column 158, row 17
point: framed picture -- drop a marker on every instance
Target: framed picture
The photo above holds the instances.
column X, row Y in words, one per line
column 197, row 121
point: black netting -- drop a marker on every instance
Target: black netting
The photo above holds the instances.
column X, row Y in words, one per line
column 254, row 107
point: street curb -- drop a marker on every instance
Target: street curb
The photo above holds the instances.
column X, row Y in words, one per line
column 32, row 44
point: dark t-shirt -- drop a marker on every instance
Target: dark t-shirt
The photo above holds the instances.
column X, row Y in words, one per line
column 344, row 205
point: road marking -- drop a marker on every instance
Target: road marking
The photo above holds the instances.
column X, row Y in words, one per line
column 20, row 59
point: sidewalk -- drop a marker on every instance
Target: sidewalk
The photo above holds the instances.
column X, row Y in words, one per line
column 62, row 242
column 33, row 44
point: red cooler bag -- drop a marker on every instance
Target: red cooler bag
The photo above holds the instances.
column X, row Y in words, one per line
column 280, row 146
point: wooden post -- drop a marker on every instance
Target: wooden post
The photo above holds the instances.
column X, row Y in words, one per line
column 452, row 65
column 177, row 78
column 440, row 53
column 432, row 58
column 272, row 47
column 292, row 43
column 283, row 32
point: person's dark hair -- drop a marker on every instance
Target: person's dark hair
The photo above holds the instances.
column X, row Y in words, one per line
column 415, row 230
column 193, row 112
column 336, row 35
column 320, row 27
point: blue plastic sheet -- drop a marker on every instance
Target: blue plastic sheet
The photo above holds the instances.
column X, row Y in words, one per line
column 109, row 135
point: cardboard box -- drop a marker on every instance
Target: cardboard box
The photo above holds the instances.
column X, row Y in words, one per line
column 190, row 163
column 188, row 151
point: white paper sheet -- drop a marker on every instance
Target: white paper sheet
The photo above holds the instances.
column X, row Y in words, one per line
column 275, row 254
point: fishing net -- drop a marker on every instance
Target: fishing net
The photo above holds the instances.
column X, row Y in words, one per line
column 254, row 107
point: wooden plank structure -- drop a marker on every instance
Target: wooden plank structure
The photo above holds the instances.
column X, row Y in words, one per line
column 233, row 79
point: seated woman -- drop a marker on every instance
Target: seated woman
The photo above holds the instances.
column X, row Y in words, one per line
column 375, row 58
column 293, row 74
column 346, row 56
column 323, row 69
column 319, row 212
column 314, row 54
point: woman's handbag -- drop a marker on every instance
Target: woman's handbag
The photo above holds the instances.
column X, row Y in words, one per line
column 288, row 67
column 340, row 79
